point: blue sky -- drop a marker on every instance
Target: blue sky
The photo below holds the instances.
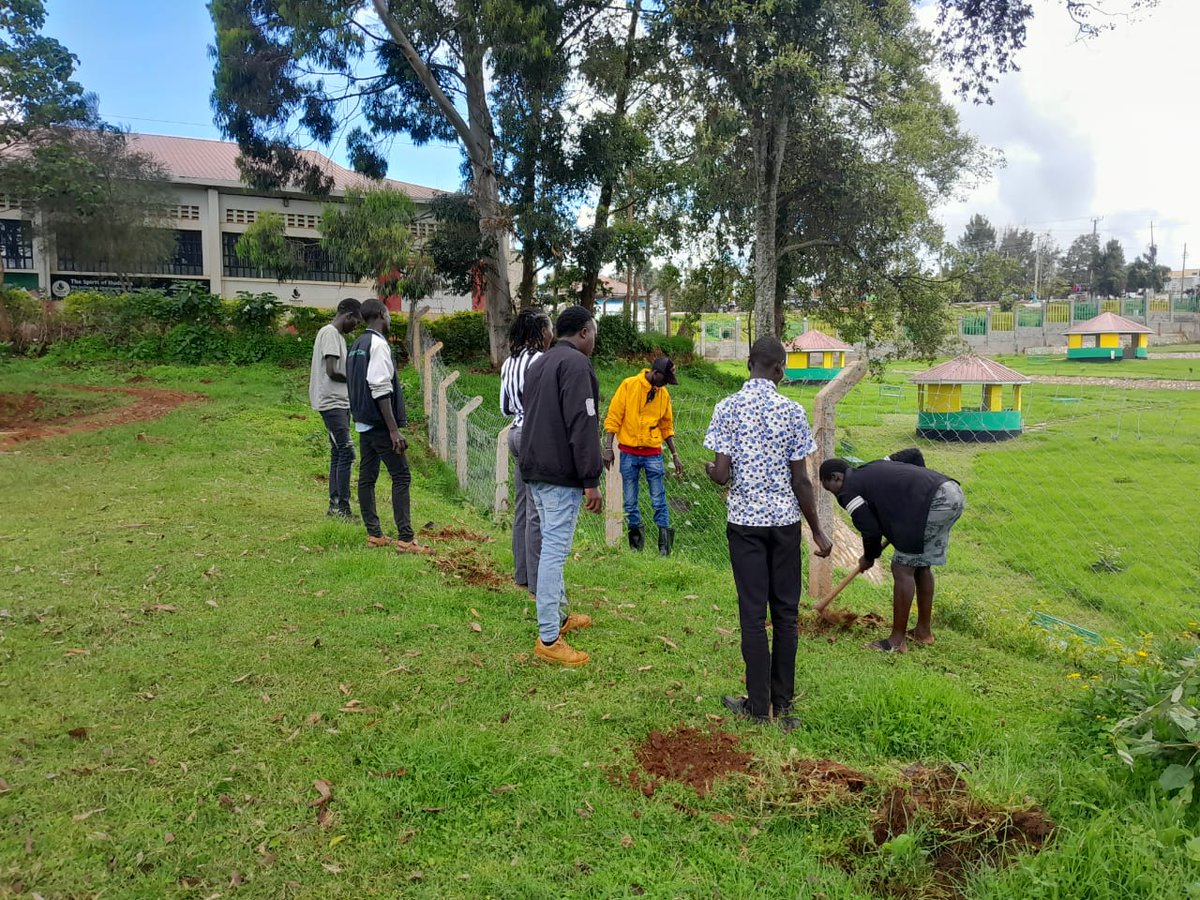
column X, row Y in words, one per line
column 148, row 62
column 1103, row 128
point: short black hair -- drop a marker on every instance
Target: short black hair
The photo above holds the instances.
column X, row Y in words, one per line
column 835, row 466
column 767, row 351
column 526, row 330
column 571, row 321
column 350, row 305
column 372, row 309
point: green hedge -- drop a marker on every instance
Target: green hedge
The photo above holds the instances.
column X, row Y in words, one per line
column 463, row 335
column 618, row 338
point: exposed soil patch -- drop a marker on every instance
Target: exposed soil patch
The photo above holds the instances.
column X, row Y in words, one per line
column 452, row 533
column 687, row 755
column 835, row 622
column 958, row 832
column 19, row 420
column 475, row 568
column 818, row 780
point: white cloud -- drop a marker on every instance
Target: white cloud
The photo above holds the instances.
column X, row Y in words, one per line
column 1097, row 128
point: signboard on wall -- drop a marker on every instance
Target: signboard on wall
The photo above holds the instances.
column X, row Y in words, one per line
column 63, row 284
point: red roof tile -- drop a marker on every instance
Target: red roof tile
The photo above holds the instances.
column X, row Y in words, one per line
column 1109, row 323
column 813, row 340
column 215, row 163
column 970, row 370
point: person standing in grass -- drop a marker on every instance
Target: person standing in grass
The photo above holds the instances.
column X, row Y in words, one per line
column 528, row 338
column 914, row 508
column 760, row 440
column 560, row 459
column 327, row 394
column 641, row 419
column 377, row 403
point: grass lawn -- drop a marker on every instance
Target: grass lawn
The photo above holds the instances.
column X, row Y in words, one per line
column 192, row 657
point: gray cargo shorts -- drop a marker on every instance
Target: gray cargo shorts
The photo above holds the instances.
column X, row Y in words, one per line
column 944, row 511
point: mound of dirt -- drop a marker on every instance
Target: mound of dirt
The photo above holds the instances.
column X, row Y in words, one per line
column 962, row 832
column 451, row 533
column 835, row 621
column 687, row 755
column 818, row 780
column 21, row 422
column 475, row 568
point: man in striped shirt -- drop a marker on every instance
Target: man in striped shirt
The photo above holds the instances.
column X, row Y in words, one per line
column 528, row 339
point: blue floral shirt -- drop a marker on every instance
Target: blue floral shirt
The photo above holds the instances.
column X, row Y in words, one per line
column 762, row 432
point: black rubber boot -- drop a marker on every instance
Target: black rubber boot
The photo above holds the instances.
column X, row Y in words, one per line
column 666, row 538
column 637, row 537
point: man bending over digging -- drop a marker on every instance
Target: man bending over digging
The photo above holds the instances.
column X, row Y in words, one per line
column 760, row 439
column 914, row 508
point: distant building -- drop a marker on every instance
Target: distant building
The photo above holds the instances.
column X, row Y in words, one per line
column 214, row 206
column 1190, row 279
column 1108, row 338
column 943, row 414
column 815, row 357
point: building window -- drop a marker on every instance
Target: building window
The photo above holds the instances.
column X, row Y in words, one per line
column 17, row 240
column 187, row 212
column 300, row 220
column 187, row 259
column 240, row 216
column 317, row 264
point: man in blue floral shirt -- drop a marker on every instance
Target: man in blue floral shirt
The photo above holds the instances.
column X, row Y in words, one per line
column 760, row 440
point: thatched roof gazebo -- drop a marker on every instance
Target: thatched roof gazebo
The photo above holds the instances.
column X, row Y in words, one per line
column 1108, row 338
column 942, row 415
column 814, row 357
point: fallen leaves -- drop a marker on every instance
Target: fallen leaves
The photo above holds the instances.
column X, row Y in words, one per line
column 666, row 640
column 476, row 627
column 4, row 788
column 356, row 706
column 324, row 797
column 79, row 734
column 76, row 651
column 84, row 816
column 159, row 607
column 503, row 789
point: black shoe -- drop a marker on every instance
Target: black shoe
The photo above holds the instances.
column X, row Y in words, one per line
column 637, row 537
column 738, row 706
column 788, row 723
column 666, row 539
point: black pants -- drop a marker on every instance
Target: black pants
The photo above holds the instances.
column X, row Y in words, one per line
column 375, row 445
column 341, row 457
column 766, row 572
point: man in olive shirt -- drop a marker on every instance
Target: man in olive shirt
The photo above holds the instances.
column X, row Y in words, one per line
column 327, row 394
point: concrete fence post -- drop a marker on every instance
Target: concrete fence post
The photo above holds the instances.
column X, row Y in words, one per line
column 414, row 338
column 427, row 373
column 462, row 441
column 702, row 338
column 500, row 503
column 614, row 502
column 820, row 571
column 443, row 447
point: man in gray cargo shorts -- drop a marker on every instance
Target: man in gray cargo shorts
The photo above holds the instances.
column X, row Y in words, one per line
column 914, row 508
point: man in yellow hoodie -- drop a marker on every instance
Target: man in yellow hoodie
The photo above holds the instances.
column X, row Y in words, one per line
column 641, row 420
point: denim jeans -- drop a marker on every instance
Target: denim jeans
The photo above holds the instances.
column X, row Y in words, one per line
column 341, row 457
column 376, row 446
column 527, row 526
column 631, row 468
column 558, row 508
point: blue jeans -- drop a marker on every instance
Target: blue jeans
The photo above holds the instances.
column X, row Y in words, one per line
column 558, row 509
column 631, row 467
column 341, row 457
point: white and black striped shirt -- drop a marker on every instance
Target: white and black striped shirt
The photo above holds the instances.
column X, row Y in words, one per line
column 512, row 384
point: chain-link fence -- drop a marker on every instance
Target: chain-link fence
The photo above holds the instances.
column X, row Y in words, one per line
column 1080, row 481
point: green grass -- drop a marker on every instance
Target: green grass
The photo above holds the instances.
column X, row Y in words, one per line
column 474, row 773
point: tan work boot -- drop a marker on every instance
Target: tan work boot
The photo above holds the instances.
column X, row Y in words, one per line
column 561, row 652
column 574, row 622
column 382, row 540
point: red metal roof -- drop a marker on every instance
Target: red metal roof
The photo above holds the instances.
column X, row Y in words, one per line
column 813, row 340
column 970, row 370
column 214, row 163
column 1109, row 323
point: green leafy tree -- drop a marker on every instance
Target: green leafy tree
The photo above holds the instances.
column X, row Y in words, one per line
column 1082, row 260
column 266, row 246
column 457, row 246
column 1110, row 269
column 1144, row 273
column 979, row 237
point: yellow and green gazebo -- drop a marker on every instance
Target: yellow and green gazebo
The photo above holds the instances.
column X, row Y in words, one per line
column 814, row 357
column 942, row 415
column 1108, row 338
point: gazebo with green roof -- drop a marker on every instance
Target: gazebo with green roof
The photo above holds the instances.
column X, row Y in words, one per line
column 813, row 358
column 942, row 414
column 1108, row 338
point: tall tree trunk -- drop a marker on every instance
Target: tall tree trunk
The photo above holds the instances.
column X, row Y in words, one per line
column 598, row 241
column 667, row 312
column 770, row 141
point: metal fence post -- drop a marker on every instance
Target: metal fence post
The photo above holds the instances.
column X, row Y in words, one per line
column 500, row 503
column 462, row 439
column 820, row 571
column 443, row 432
column 614, row 502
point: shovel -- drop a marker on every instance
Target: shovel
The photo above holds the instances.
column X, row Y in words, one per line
column 821, row 605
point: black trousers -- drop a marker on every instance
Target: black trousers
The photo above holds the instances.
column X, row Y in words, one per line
column 766, row 572
column 376, row 447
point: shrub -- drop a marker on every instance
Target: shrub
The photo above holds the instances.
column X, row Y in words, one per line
column 256, row 312
column 191, row 343
column 87, row 349
column 308, row 320
column 23, row 320
column 192, row 304
column 463, row 335
column 616, row 338
column 680, row 349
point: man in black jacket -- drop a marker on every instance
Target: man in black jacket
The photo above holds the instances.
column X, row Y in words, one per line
column 560, row 459
column 914, row 508
column 377, row 404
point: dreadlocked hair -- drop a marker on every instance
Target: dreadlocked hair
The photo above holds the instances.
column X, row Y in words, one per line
column 526, row 330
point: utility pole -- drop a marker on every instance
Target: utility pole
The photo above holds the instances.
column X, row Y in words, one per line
column 1095, row 257
column 1182, row 278
column 1149, row 289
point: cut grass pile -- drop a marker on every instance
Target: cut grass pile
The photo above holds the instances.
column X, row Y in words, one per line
column 210, row 688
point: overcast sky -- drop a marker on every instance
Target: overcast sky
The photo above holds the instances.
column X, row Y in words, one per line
column 1102, row 128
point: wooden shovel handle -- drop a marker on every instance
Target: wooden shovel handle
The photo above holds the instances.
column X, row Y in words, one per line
column 820, row 607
